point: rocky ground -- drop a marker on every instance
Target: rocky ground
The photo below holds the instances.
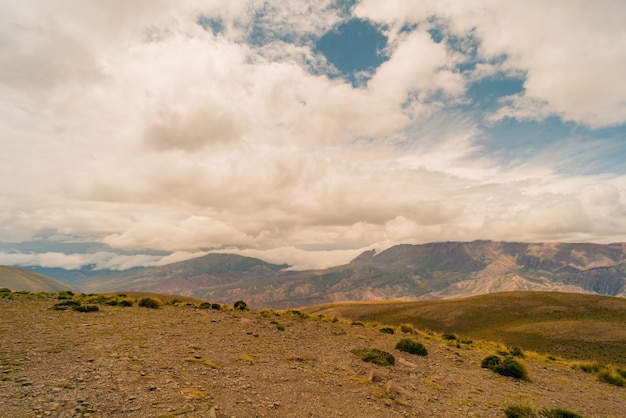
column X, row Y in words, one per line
column 191, row 362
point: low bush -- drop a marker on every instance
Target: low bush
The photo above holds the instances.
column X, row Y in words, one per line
column 61, row 306
column 240, row 305
column 590, row 367
column 376, row 356
column 558, row 413
column 516, row 352
column 387, row 330
column 356, row 323
column 125, row 303
column 604, row 372
column 86, row 308
column 5, row 290
column 65, row 294
column 611, row 377
column 449, row 337
column 490, row 362
column 411, row 347
column 216, row 306
column 507, row 367
column 278, row 325
column 149, row 303
column 519, row 411
column 205, row 305
column 407, row 329
column 524, row 411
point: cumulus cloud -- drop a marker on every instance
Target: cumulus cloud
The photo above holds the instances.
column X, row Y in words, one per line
column 573, row 53
column 201, row 125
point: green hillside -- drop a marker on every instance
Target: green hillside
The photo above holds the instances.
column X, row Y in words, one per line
column 575, row 326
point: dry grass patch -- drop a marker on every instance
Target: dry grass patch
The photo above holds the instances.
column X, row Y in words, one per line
column 206, row 362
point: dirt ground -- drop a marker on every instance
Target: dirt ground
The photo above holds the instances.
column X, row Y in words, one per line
column 191, row 362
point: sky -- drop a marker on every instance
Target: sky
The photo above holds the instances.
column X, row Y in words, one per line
column 147, row 132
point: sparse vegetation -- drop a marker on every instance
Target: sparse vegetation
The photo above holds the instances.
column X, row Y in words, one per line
column 376, row 356
column 610, row 376
column 278, row 325
column 149, row 303
column 520, row 411
column 507, row 367
column 407, row 329
column 449, row 337
column 206, row 362
column 524, row 411
column 411, row 347
column 492, row 317
column 61, row 306
column 86, row 308
column 606, row 373
column 240, row 305
column 65, row 294
column 387, row 330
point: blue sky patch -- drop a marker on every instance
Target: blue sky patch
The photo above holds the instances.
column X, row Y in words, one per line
column 354, row 46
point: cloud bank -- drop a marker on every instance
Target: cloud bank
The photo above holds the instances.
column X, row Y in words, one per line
column 195, row 126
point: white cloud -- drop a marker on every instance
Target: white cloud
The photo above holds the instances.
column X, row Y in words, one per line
column 130, row 124
column 572, row 52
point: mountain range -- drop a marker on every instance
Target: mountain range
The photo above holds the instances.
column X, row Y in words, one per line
column 440, row 270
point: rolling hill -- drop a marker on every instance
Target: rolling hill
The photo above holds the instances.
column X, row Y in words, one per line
column 16, row 279
column 407, row 272
column 571, row 325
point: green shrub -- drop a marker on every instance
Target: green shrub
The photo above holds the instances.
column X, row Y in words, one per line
column 512, row 368
column 205, row 305
column 448, row 337
column 5, row 290
column 523, row 411
column 241, row 305
column 125, row 303
column 490, row 362
column 516, row 352
column 407, row 329
column 356, row 323
column 299, row 314
column 98, row 299
column 216, row 306
column 611, row 377
column 376, row 356
column 61, row 306
column 64, row 294
column 278, row 325
column 590, row 367
column 86, row 308
column 558, row 413
column 149, row 303
column 519, row 411
column 507, row 367
column 412, row 347
column 387, row 330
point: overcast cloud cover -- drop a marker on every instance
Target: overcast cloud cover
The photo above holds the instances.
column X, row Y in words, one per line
column 149, row 131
